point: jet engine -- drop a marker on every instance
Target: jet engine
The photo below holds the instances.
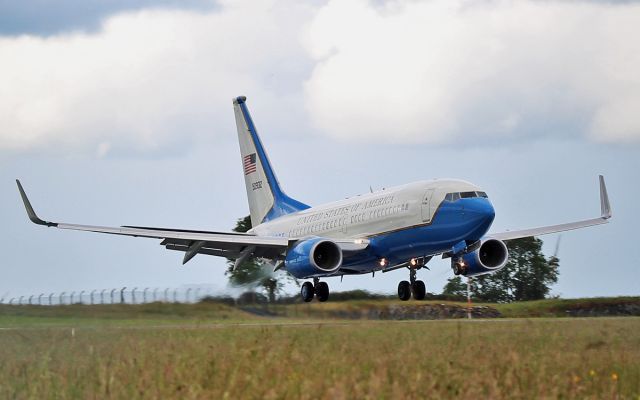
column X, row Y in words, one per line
column 490, row 256
column 313, row 257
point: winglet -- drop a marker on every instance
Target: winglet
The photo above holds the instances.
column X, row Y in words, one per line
column 605, row 207
column 32, row 214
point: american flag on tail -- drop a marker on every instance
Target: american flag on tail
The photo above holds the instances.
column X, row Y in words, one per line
column 249, row 163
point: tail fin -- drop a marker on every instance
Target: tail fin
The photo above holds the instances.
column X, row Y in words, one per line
column 267, row 201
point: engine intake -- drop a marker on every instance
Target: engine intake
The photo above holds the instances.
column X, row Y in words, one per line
column 313, row 257
column 491, row 256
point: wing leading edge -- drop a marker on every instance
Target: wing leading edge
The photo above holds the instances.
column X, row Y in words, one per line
column 214, row 243
column 605, row 215
column 222, row 244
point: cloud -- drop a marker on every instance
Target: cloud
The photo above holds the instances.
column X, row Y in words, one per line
column 457, row 71
column 447, row 71
column 46, row 17
column 147, row 80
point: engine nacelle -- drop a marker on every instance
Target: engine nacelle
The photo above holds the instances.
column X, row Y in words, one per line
column 313, row 257
column 491, row 256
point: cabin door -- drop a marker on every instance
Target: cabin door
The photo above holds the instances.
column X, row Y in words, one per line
column 427, row 214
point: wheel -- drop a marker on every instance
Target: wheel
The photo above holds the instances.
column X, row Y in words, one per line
column 404, row 290
column 419, row 290
column 322, row 291
column 455, row 268
column 307, row 292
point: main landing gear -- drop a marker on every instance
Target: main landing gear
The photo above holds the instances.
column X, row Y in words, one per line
column 413, row 286
column 320, row 289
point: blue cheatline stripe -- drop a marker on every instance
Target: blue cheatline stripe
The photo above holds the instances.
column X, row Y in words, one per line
column 282, row 203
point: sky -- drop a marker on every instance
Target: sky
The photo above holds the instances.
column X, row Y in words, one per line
column 119, row 113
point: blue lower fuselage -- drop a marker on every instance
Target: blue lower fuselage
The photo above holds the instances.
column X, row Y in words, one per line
column 456, row 221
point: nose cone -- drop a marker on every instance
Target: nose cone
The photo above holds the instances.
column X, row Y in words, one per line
column 481, row 212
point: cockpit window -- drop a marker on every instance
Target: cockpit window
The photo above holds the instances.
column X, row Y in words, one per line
column 452, row 196
column 464, row 195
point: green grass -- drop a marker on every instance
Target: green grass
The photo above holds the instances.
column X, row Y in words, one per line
column 563, row 307
column 206, row 312
column 516, row 359
column 525, row 309
column 118, row 314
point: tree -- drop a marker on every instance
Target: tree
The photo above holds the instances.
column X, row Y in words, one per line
column 455, row 287
column 527, row 276
column 254, row 273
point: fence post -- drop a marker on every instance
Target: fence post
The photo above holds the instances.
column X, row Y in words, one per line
column 133, row 295
column 50, row 297
column 122, row 295
column 40, row 299
column 166, row 295
column 60, row 297
column 468, row 298
column 175, row 295
column 81, row 293
column 144, row 295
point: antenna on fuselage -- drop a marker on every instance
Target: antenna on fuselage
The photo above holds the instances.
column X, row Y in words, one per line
column 370, row 189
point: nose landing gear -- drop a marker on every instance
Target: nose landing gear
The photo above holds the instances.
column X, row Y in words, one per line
column 459, row 267
column 320, row 289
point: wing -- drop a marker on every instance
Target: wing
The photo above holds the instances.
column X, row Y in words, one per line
column 605, row 214
column 238, row 246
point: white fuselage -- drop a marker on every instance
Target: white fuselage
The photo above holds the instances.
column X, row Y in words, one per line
column 368, row 214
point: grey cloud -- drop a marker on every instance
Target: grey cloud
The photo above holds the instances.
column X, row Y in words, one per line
column 441, row 71
column 46, row 17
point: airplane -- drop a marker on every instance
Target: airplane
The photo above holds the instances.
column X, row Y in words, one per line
column 381, row 231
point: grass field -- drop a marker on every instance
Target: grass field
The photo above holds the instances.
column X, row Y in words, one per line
column 174, row 351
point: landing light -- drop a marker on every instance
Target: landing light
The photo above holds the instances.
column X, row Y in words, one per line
column 383, row 262
column 413, row 262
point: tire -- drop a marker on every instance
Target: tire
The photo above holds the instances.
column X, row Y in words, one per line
column 404, row 290
column 322, row 291
column 306, row 291
column 419, row 290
